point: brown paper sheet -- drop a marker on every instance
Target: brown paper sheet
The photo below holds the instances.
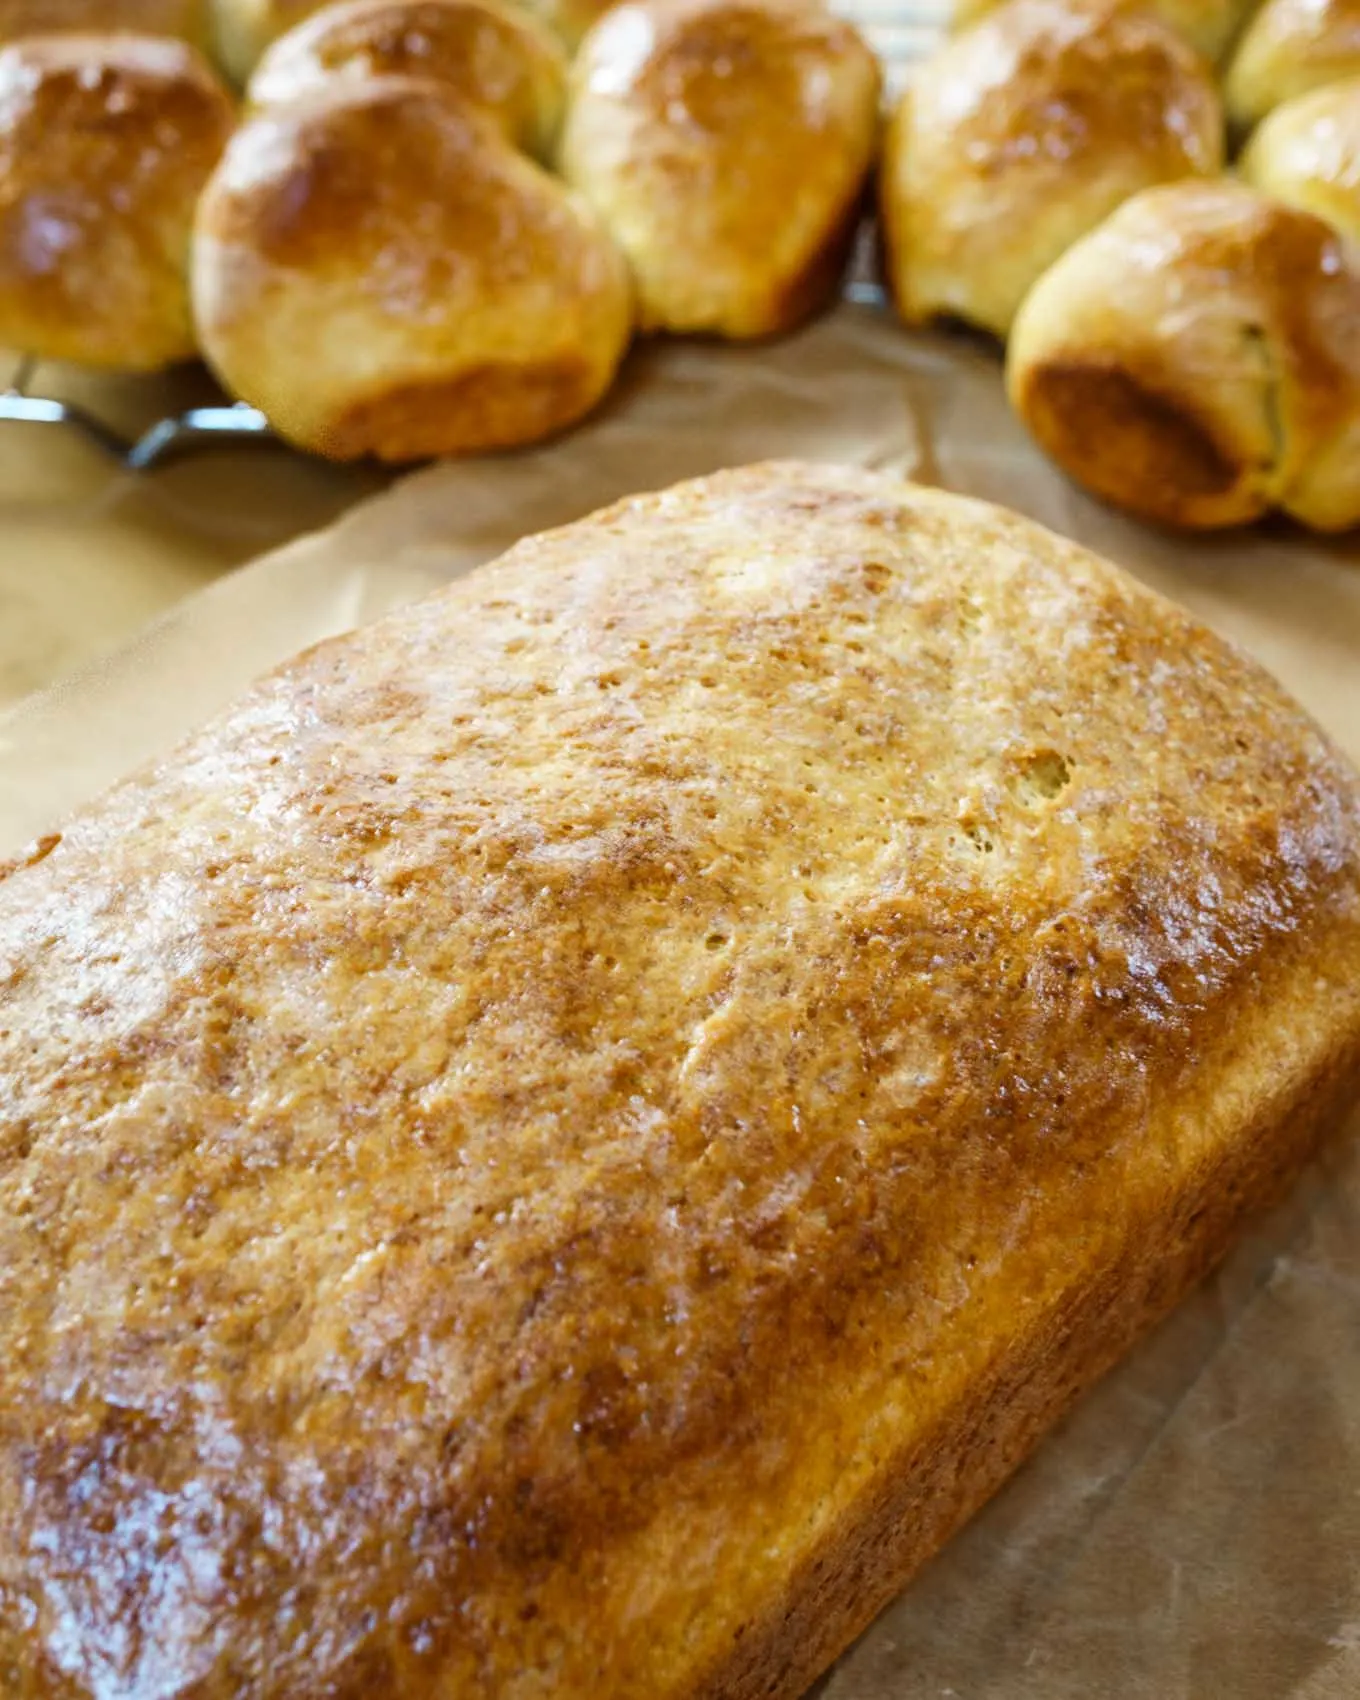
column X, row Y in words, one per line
column 90, row 553
column 1193, row 1531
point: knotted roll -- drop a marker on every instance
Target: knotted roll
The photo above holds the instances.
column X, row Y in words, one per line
column 726, row 144
column 1021, row 135
column 495, row 57
column 1197, row 361
column 105, row 143
column 379, row 269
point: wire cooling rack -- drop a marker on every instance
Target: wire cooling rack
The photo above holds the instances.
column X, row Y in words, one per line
column 900, row 31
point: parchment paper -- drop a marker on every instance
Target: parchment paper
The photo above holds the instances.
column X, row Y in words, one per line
column 89, row 553
column 1193, row 1532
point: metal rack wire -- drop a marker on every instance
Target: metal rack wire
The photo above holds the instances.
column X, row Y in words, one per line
column 900, row 31
column 161, row 441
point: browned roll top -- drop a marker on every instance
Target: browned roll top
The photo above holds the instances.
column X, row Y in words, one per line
column 726, row 144
column 378, row 269
column 1023, row 134
column 494, row 57
column 105, row 143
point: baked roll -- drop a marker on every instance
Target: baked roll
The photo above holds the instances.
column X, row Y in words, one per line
column 105, row 143
column 1209, row 25
column 726, row 144
column 1197, row 361
column 378, row 269
column 187, row 19
column 491, row 55
column 1307, row 153
column 1289, row 48
column 1022, row 134
column 560, row 1147
column 242, row 29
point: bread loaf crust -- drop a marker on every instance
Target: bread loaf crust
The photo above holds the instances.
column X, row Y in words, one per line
column 566, row 1141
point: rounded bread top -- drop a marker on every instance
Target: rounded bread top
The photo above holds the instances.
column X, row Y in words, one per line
column 377, row 240
column 725, row 142
column 1208, row 25
column 1021, row 135
column 1307, row 153
column 105, row 144
column 499, row 58
column 1289, row 48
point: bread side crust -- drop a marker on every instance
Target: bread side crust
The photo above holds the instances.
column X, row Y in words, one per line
column 927, row 1492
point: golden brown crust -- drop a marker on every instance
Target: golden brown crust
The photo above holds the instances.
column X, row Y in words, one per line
column 105, row 143
column 1020, row 136
column 380, row 271
column 498, row 59
column 1289, row 48
column 186, row 19
column 1208, row 25
column 726, row 143
column 1197, row 360
column 1307, row 154
column 562, row 1144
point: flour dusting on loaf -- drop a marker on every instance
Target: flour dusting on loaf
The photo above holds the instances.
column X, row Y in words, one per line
column 564, row 1143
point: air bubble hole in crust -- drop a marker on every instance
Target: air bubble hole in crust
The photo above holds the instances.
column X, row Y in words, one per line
column 1044, row 775
column 979, row 837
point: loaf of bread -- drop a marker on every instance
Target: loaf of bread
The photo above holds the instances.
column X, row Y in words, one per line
column 1289, row 48
column 1209, row 25
column 1307, row 154
column 491, row 54
column 187, row 19
column 378, row 269
column 563, row 1144
column 105, row 144
column 726, row 143
column 1197, row 361
column 1021, row 135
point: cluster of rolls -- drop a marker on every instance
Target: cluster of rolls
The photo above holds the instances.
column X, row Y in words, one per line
column 426, row 227
column 422, row 227
column 1181, row 337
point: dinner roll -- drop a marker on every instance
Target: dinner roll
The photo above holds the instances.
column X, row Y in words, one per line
column 242, row 29
column 1289, row 48
column 379, row 270
column 726, row 144
column 187, row 19
column 498, row 58
column 1307, row 153
column 1019, row 136
column 1197, row 361
column 1209, row 25
column 105, row 142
